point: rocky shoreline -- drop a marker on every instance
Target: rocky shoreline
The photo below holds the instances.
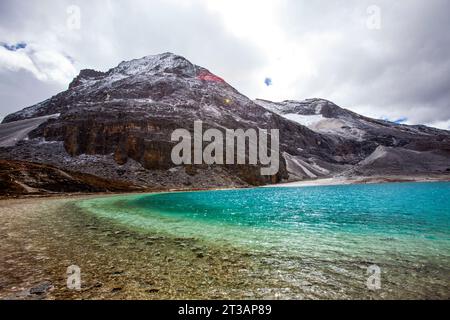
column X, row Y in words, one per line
column 22, row 179
column 42, row 237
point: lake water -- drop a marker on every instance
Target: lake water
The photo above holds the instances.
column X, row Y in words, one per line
column 318, row 237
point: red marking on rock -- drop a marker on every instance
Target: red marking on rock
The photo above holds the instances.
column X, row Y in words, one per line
column 206, row 76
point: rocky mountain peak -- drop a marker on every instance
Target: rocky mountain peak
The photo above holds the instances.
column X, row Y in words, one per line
column 150, row 68
column 86, row 74
column 157, row 64
column 308, row 107
column 162, row 78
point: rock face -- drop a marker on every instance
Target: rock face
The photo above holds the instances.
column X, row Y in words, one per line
column 21, row 178
column 118, row 125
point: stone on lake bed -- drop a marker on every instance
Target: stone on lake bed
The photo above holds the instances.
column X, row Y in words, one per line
column 41, row 288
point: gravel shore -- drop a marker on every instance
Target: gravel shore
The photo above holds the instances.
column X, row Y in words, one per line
column 41, row 238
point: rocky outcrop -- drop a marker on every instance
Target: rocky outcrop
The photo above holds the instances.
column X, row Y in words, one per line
column 25, row 178
column 400, row 161
column 86, row 75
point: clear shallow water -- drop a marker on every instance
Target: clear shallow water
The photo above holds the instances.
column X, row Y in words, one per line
column 404, row 228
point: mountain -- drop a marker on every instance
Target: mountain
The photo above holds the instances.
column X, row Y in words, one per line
column 398, row 149
column 117, row 125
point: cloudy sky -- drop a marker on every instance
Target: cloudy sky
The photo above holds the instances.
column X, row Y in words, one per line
column 384, row 59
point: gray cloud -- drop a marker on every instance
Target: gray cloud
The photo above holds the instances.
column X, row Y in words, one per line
column 401, row 70
column 113, row 31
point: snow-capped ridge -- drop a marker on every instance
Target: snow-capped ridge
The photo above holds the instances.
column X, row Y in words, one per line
column 159, row 63
column 325, row 117
column 84, row 75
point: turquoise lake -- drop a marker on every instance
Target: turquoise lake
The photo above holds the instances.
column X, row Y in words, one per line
column 404, row 228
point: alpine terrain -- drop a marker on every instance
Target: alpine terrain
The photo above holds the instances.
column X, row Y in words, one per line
column 117, row 126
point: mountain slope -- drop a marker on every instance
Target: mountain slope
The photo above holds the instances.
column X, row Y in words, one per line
column 127, row 115
column 11, row 133
column 23, row 178
column 400, row 149
column 118, row 125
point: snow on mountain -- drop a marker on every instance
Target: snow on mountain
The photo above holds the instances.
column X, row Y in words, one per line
column 308, row 121
column 122, row 120
column 13, row 132
column 319, row 115
column 325, row 117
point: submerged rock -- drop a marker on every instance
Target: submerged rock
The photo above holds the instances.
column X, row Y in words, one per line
column 41, row 288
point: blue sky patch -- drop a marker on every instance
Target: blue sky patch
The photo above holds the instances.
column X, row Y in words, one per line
column 401, row 120
column 397, row 121
column 13, row 47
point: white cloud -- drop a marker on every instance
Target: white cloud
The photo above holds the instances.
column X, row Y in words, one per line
column 44, row 64
column 17, row 60
column 441, row 124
